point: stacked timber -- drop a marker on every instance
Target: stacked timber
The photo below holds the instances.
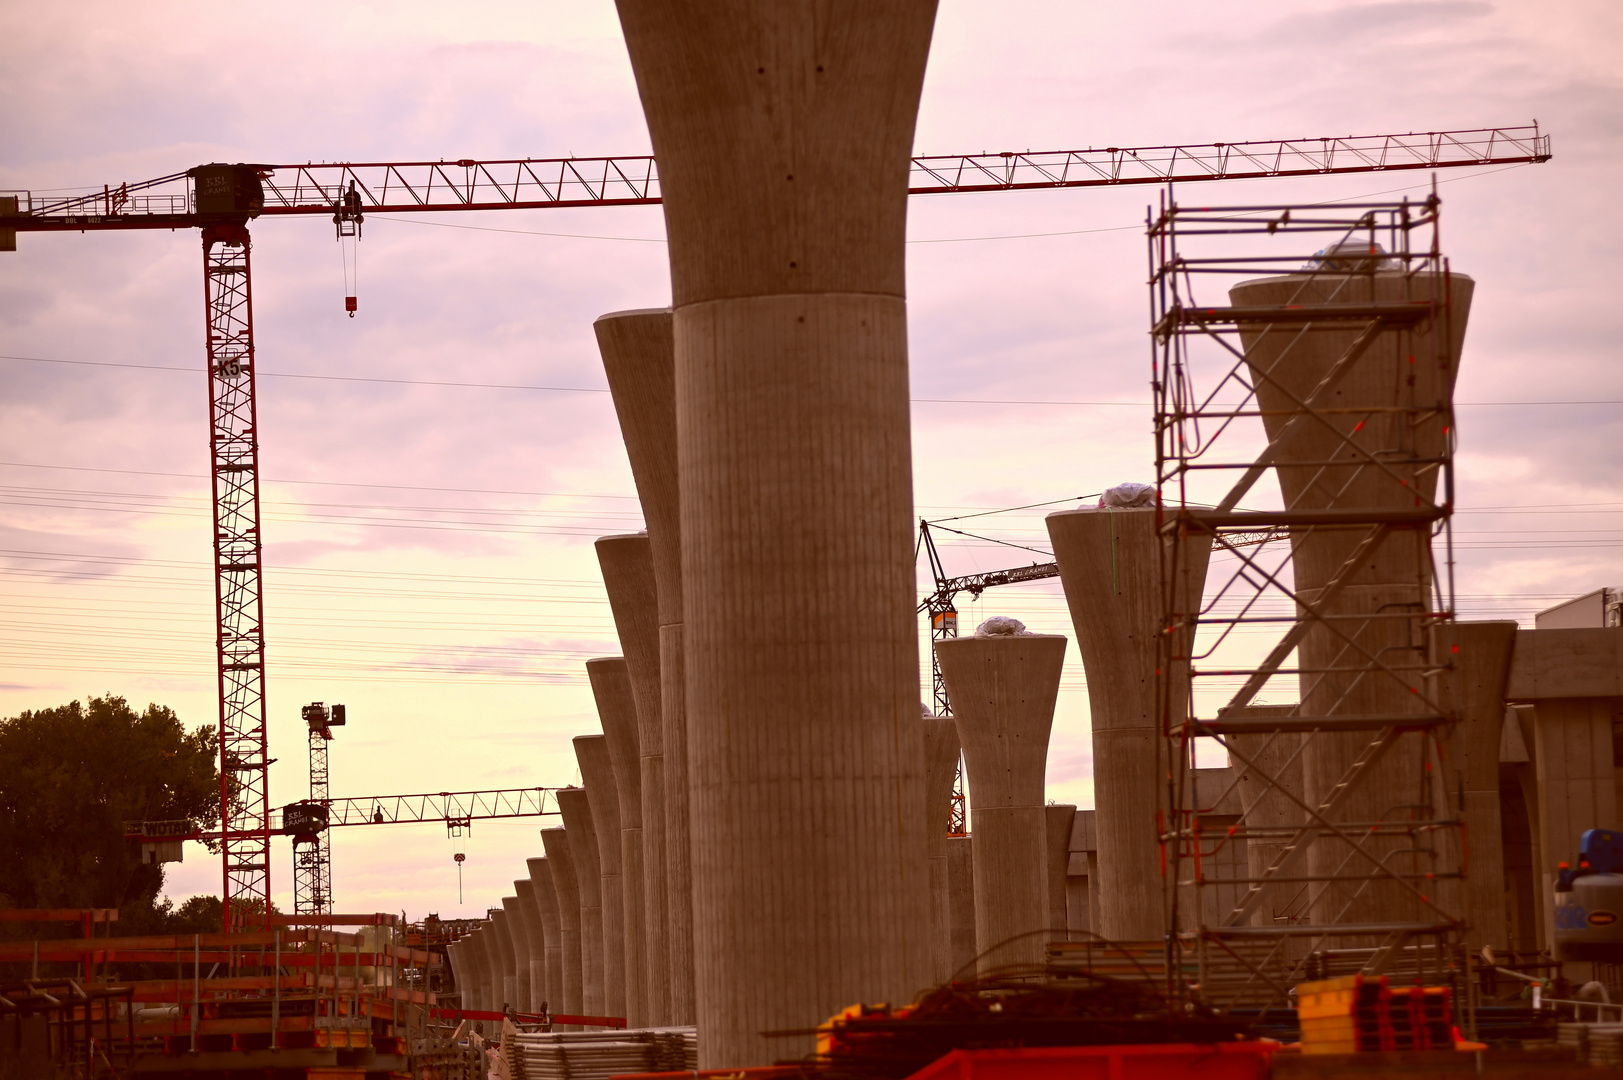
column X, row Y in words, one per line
column 598, row 1055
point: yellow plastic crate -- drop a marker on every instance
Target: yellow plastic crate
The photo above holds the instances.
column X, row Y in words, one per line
column 1329, row 1035
column 1327, row 997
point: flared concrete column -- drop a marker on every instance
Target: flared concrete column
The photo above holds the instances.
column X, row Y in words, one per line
column 1060, row 817
column 1481, row 654
column 473, row 995
column 1576, row 784
column 575, row 805
column 489, row 987
column 518, row 932
column 459, row 966
column 597, row 773
column 470, row 964
column 461, row 970
column 1081, row 895
column 961, row 904
column 540, row 996
column 546, row 904
column 1109, row 564
column 561, row 861
column 783, row 138
column 502, row 952
column 940, row 768
column 640, row 361
column 1286, row 366
column 617, row 709
column 1003, row 691
column 627, row 563
column 1260, row 760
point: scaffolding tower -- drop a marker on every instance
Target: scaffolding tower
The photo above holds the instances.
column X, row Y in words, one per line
column 1330, row 843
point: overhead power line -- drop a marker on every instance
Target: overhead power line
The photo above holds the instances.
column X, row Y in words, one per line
column 603, row 389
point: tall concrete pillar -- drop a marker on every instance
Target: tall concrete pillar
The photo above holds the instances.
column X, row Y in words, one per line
column 518, row 932
column 784, row 140
column 1003, row 691
column 1109, row 564
column 1481, row 654
column 487, row 967
column 1286, row 365
column 961, row 904
column 1060, row 817
column 561, row 861
column 502, row 952
column 546, row 903
column 1269, row 768
column 627, row 563
column 468, row 980
column 459, row 969
column 597, row 773
column 468, row 972
column 536, row 930
column 640, row 361
column 617, row 709
column 940, row 769
column 1081, row 892
column 576, row 808
column 1576, row 787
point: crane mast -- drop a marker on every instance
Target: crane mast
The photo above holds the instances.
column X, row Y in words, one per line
column 239, row 615
column 312, row 851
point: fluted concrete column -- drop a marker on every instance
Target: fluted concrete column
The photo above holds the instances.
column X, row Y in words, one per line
column 640, row 361
column 1082, row 894
column 1480, row 653
column 561, row 861
column 1577, row 785
column 485, row 983
column 502, row 951
column 546, row 903
column 783, row 138
column 518, row 932
column 940, row 769
column 617, row 709
column 1109, row 564
column 471, row 997
column 461, row 970
column 575, row 805
column 1286, row 366
column 1269, row 766
column 536, row 931
column 597, row 772
column 961, row 904
column 1003, row 691
column 1059, row 818
column 627, row 563
column 467, row 973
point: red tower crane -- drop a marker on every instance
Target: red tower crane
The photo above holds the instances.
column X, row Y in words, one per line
column 221, row 199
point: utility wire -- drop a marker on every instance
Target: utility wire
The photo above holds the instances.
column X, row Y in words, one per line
column 1011, row 509
column 1003, row 543
column 604, row 389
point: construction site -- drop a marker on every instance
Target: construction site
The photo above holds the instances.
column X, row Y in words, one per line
column 1344, row 821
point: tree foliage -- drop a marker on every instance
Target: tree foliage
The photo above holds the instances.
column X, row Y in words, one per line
column 70, row 777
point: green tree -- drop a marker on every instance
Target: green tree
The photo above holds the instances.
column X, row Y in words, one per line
column 70, row 777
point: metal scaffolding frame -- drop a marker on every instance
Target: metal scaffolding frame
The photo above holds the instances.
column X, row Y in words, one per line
column 1269, row 883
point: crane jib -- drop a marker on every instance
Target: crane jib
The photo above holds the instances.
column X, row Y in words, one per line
column 209, row 193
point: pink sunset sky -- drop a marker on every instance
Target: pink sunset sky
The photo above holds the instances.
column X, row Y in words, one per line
column 429, row 511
